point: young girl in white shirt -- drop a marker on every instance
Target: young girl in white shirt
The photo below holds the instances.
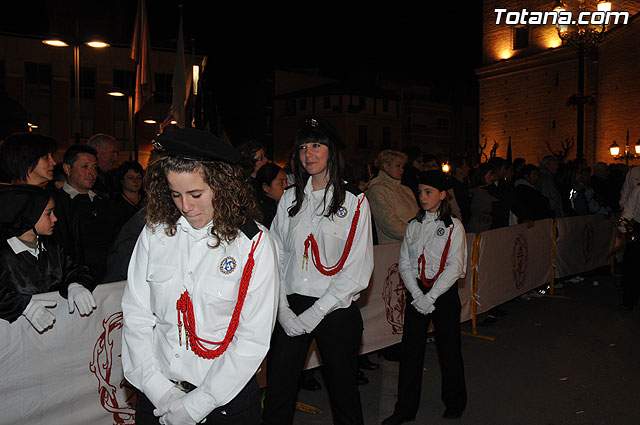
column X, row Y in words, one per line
column 433, row 256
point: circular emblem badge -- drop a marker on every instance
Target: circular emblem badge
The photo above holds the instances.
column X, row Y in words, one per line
column 520, row 260
column 228, row 265
column 440, row 231
column 342, row 212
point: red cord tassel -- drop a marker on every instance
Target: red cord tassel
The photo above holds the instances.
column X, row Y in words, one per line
column 422, row 262
column 315, row 254
column 185, row 306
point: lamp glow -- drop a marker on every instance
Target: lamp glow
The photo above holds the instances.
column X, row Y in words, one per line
column 614, row 149
column 97, row 44
column 55, row 43
column 604, row 6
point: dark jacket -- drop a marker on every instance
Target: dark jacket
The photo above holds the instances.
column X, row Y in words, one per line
column 23, row 275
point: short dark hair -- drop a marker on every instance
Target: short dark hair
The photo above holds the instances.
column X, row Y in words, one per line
column 478, row 174
column 356, row 172
column 413, row 153
column 71, row 154
column 20, row 153
column 431, row 157
column 266, row 174
column 457, row 163
column 498, row 162
column 129, row 165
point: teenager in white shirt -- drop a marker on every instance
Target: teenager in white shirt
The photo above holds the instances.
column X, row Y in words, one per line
column 323, row 234
column 202, row 289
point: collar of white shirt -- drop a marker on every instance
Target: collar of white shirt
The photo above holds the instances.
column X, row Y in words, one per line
column 73, row 192
column 197, row 234
column 429, row 217
column 18, row 246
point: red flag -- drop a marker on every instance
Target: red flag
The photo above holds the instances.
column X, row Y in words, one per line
column 140, row 51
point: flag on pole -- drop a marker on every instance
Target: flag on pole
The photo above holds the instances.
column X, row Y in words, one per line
column 179, row 81
column 140, row 53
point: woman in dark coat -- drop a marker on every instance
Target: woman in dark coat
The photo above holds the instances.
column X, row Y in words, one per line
column 32, row 263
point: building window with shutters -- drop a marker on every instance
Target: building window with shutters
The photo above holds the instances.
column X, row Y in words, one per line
column 520, row 37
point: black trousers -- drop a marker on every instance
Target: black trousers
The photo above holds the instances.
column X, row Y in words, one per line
column 631, row 274
column 338, row 339
column 244, row 409
column 446, row 322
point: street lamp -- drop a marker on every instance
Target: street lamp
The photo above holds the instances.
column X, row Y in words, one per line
column 583, row 39
column 95, row 42
column 614, row 150
column 116, row 92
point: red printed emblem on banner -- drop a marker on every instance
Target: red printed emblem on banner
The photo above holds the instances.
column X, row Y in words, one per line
column 393, row 295
column 119, row 402
column 520, row 260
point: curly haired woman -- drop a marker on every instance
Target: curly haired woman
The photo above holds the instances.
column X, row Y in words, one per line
column 202, row 289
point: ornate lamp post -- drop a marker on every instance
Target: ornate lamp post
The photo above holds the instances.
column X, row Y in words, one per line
column 614, row 149
column 76, row 43
column 583, row 39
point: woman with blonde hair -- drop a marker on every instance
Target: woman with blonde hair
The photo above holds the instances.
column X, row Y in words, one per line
column 392, row 203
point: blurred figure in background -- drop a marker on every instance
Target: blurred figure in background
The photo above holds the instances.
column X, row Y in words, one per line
column 271, row 181
column 392, row 203
column 130, row 196
column 27, row 158
column 106, row 147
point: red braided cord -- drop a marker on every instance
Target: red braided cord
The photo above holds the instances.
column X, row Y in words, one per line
column 422, row 262
column 315, row 255
column 185, row 306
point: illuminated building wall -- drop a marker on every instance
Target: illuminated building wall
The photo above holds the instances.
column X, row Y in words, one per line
column 526, row 79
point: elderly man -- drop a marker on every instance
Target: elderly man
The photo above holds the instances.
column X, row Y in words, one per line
column 85, row 219
column 107, row 156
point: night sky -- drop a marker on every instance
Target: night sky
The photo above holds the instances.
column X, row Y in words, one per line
column 244, row 41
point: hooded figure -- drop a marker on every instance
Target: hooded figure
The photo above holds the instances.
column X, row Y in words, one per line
column 32, row 263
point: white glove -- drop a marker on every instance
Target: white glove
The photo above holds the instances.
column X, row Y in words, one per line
column 37, row 314
column 287, row 320
column 310, row 318
column 78, row 295
column 177, row 414
column 424, row 304
column 163, row 405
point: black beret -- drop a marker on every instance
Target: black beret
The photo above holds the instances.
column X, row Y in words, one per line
column 22, row 206
column 191, row 143
column 321, row 126
column 436, row 179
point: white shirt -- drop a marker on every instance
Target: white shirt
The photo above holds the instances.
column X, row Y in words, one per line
column 73, row 192
column 430, row 238
column 161, row 269
column 18, row 246
column 632, row 206
column 290, row 233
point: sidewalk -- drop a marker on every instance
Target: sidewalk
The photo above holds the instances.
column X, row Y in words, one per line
column 555, row 361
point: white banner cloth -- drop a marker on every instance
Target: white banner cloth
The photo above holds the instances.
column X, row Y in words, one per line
column 582, row 243
column 71, row 374
column 513, row 260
